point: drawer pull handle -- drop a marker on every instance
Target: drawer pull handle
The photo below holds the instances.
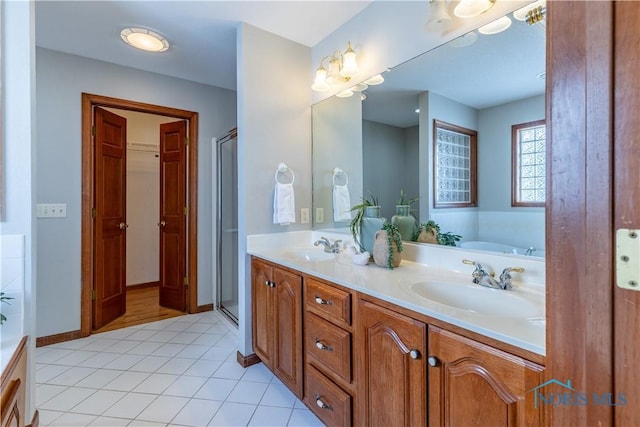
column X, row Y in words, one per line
column 415, row 354
column 322, row 346
column 267, row 283
column 321, row 404
column 322, row 301
column 432, row 361
column 270, row 284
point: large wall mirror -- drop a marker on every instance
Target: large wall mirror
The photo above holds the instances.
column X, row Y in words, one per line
column 380, row 140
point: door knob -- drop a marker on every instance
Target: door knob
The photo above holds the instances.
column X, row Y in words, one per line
column 162, row 224
column 414, row 354
column 432, row 361
column 123, row 226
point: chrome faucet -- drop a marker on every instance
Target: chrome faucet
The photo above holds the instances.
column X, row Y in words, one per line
column 505, row 277
column 329, row 247
column 530, row 250
column 482, row 277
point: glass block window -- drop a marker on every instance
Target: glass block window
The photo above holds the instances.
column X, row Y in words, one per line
column 454, row 161
column 529, row 164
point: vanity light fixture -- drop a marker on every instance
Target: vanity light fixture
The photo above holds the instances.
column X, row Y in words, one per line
column 521, row 14
column 342, row 66
column 345, row 93
column 472, row 8
column 144, row 39
column 495, row 27
column 438, row 15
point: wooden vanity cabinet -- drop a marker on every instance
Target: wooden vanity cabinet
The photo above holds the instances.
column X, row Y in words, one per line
column 13, row 389
column 471, row 383
column 277, row 322
column 392, row 381
column 328, row 337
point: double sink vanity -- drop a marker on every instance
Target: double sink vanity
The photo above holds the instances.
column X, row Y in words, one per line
column 417, row 345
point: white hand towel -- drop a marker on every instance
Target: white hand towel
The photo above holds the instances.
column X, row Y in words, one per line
column 341, row 203
column 284, row 206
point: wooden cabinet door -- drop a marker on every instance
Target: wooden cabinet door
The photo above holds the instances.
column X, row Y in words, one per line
column 262, row 312
column 474, row 384
column 392, row 383
column 287, row 318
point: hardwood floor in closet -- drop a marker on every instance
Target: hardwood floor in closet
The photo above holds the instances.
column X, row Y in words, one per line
column 142, row 307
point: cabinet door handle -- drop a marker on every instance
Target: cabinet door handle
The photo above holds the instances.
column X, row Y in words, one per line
column 415, row 354
column 267, row 283
column 322, row 301
column 433, row 361
column 270, row 284
column 321, row 404
column 322, row 346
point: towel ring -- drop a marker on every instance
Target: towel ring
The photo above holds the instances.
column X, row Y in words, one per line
column 337, row 172
column 281, row 171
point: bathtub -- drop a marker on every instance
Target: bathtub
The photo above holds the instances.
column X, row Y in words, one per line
column 499, row 247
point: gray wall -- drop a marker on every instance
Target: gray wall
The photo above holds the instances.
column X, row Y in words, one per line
column 274, row 122
column 61, row 78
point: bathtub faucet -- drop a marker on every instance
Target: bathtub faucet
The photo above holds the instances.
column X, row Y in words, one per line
column 530, row 250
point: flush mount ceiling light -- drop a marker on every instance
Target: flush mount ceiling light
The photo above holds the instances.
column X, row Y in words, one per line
column 341, row 67
column 495, row 27
column 472, row 8
column 142, row 38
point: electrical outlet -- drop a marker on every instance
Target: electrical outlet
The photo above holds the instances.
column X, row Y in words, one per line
column 304, row 216
column 319, row 215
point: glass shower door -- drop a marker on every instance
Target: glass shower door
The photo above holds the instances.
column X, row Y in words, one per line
column 227, row 288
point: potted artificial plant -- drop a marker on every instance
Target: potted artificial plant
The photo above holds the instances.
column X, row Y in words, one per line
column 387, row 250
column 404, row 219
column 366, row 222
column 429, row 232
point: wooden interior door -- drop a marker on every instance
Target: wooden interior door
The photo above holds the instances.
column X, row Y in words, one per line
column 109, row 292
column 626, row 148
column 173, row 215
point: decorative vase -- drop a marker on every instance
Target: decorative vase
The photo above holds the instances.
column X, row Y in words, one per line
column 405, row 222
column 382, row 248
column 371, row 224
column 428, row 236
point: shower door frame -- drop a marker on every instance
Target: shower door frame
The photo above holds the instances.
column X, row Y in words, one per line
column 233, row 134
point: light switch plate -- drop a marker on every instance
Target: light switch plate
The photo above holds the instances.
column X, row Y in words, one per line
column 319, row 215
column 51, row 210
column 628, row 259
column 304, row 216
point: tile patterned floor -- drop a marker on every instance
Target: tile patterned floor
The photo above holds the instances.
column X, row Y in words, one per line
column 175, row 372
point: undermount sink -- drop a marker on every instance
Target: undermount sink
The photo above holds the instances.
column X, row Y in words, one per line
column 308, row 254
column 480, row 299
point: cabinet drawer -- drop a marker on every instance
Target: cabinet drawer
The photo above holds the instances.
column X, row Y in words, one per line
column 329, row 346
column 326, row 400
column 328, row 302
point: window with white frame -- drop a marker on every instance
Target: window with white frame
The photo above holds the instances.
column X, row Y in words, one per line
column 528, row 167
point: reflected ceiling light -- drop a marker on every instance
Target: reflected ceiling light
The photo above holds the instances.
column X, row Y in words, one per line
column 144, row 39
column 360, row 87
column 495, row 27
column 375, row 80
column 438, row 15
column 472, row 8
column 521, row 14
column 345, row 93
column 342, row 66
column 464, row 40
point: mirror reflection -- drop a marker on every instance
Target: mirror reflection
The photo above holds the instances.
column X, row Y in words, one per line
column 381, row 140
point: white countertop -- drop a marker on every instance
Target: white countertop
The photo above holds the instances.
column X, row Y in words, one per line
column 394, row 286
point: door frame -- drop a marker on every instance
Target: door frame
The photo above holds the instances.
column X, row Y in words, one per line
column 89, row 101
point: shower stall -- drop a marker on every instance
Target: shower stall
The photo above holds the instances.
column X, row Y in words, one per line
column 227, row 225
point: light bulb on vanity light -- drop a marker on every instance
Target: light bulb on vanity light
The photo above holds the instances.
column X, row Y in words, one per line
column 320, row 82
column 495, row 27
column 349, row 64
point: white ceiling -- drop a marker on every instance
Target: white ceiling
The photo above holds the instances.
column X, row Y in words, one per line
column 202, row 33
